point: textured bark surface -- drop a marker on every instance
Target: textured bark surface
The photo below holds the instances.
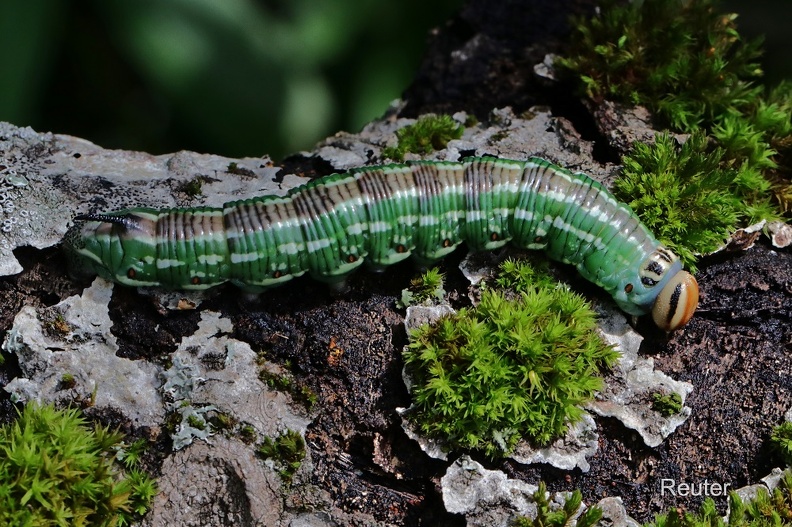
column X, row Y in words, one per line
column 737, row 350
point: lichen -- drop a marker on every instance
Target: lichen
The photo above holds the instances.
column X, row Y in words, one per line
column 10, row 184
column 188, row 422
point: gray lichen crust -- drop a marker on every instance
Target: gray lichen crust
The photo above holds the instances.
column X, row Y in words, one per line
column 45, row 179
column 73, row 339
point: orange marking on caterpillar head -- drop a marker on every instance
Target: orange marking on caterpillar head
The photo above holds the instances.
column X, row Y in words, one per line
column 677, row 302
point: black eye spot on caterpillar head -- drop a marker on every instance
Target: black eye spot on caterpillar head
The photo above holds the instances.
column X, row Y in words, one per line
column 665, row 255
column 648, row 282
column 656, row 267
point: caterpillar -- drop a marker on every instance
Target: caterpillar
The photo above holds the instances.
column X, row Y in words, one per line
column 382, row 215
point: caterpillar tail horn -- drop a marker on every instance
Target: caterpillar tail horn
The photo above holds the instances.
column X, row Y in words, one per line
column 127, row 221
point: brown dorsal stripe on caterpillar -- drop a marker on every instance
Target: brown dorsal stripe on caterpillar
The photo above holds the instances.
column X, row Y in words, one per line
column 383, row 214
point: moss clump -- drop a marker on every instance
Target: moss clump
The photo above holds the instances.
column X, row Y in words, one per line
column 67, row 381
column 247, row 434
column 766, row 510
column 287, row 451
column 550, row 516
column 683, row 60
column 193, row 188
column 56, row 470
column 234, row 168
column 688, row 64
column 427, row 134
column 667, row 404
column 131, row 455
column 285, row 383
column 223, row 421
column 781, row 440
column 687, row 196
column 517, row 365
column 424, row 290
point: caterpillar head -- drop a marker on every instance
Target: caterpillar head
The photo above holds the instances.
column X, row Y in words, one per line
column 662, row 288
column 120, row 247
column 675, row 291
column 676, row 302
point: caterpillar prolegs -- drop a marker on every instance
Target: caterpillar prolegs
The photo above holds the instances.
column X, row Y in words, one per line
column 382, row 215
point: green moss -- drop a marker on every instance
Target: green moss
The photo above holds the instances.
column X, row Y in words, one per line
column 247, row 434
column 287, row 451
column 517, row 365
column 197, row 422
column 471, row 121
column 684, row 60
column 427, row 134
column 524, row 278
column 234, row 168
column 284, row 383
column 781, row 440
column 56, row 470
column 548, row 515
column 766, row 510
column 131, row 454
column 498, row 136
column 689, row 65
column 58, row 325
column 667, row 404
column 276, row 381
column 223, row 421
column 690, row 196
column 307, row 397
column 193, row 187
column 67, row 381
column 92, row 399
column 424, row 290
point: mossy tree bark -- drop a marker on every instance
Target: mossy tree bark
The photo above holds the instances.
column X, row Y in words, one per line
column 345, row 352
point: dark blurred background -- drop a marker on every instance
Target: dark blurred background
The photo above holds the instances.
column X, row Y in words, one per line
column 235, row 77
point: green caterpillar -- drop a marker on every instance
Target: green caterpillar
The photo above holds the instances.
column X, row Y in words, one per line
column 382, row 215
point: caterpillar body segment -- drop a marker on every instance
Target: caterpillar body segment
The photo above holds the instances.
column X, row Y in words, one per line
column 383, row 214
